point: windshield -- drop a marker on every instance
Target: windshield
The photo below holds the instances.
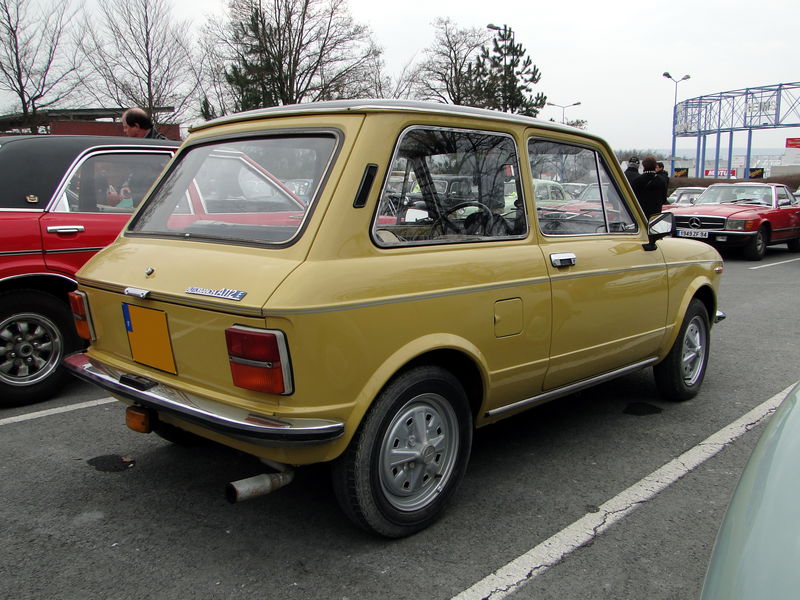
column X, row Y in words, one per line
column 743, row 194
column 253, row 190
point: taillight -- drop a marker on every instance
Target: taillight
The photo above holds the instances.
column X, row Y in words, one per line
column 259, row 359
column 79, row 303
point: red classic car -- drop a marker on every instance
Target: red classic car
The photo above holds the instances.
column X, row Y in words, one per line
column 63, row 199
column 750, row 216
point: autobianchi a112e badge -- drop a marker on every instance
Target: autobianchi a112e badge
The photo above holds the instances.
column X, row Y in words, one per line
column 224, row 293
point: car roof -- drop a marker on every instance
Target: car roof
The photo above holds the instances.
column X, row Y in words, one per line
column 386, row 105
column 748, row 183
column 35, row 164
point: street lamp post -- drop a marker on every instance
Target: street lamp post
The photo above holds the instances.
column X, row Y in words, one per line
column 674, row 118
column 563, row 108
column 506, row 35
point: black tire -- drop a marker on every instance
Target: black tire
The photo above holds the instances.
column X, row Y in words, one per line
column 388, row 481
column 756, row 247
column 681, row 373
column 36, row 332
column 793, row 245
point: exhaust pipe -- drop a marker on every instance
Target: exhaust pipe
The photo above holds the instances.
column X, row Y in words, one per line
column 252, row 487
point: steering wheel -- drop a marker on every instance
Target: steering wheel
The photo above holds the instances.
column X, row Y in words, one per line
column 447, row 226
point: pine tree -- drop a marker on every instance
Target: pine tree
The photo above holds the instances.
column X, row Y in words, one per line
column 503, row 78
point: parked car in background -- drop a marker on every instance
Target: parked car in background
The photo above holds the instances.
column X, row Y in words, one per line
column 63, row 198
column 750, row 216
column 376, row 329
column 573, row 189
column 685, row 195
column 757, row 553
column 550, row 192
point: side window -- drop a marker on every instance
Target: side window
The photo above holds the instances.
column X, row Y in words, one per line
column 109, row 182
column 450, row 186
column 784, row 198
column 597, row 209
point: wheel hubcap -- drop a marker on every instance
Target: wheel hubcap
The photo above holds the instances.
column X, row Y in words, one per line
column 30, row 349
column 694, row 351
column 418, row 453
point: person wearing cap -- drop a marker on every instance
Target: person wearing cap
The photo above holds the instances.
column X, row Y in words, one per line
column 650, row 189
column 632, row 172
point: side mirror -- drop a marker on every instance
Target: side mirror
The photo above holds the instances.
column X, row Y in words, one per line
column 659, row 226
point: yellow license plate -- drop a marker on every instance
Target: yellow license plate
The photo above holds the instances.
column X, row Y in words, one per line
column 148, row 335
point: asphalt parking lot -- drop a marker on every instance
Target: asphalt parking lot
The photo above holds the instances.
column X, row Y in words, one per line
column 93, row 510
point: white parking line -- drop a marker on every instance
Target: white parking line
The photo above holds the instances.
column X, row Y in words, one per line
column 55, row 411
column 536, row 561
column 783, row 262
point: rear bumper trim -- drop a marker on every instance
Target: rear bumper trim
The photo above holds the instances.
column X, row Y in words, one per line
column 260, row 429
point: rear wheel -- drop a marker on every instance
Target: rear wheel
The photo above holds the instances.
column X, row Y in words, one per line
column 793, row 245
column 408, row 456
column 756, row 248
column 680, row 375
column 36, row 332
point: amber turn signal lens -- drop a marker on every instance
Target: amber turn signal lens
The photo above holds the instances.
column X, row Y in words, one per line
column 138, row 419
column 80, row 313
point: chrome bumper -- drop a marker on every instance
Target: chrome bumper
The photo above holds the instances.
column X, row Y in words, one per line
column 263, row 430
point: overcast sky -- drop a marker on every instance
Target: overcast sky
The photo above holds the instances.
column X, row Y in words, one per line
column 609, row 56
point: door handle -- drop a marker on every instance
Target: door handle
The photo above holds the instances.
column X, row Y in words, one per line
column 563, row 259
column 65, row 229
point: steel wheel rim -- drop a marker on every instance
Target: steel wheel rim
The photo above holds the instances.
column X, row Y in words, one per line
column 761, row 242
column 418, row 452
column 30, row 349
column 694, row 351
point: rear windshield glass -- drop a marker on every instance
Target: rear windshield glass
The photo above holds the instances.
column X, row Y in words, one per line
column 253, row 190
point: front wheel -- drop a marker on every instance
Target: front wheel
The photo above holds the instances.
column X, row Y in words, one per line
column 756, row 247
column 680, row 375
column 36, row 332
column 408, row 456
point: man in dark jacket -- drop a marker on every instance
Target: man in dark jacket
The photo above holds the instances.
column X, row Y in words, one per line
column 137, row 123
column 632, row 172
column 650, row 189
column 662, row 173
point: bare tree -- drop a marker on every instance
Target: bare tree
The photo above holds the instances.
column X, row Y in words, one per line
column 445, row 73
column 33, row 63
column 136, row 54
column 383, row 85
column 291, row 51
column 215, row 92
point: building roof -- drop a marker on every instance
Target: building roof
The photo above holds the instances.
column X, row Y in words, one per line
column 43, row 117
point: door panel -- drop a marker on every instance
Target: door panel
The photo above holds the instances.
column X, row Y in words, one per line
column 609, row 309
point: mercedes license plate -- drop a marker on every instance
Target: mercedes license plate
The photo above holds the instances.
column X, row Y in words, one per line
column 692, row 233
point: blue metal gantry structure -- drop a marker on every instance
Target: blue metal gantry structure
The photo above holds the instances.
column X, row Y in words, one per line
column 765, row 107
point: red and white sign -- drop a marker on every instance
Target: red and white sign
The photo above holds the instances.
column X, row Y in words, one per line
column 793, row 142
column 721, row 173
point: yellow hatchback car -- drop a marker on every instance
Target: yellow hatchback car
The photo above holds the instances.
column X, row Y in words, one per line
column 376, row 320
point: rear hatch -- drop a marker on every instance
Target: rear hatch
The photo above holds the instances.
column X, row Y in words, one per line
column 161, row 309
column 212, row 243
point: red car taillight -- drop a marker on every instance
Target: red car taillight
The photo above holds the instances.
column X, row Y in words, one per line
column 79, row 303
column 259, row 359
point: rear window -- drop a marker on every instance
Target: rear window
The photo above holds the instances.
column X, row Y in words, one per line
column 253, row 190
